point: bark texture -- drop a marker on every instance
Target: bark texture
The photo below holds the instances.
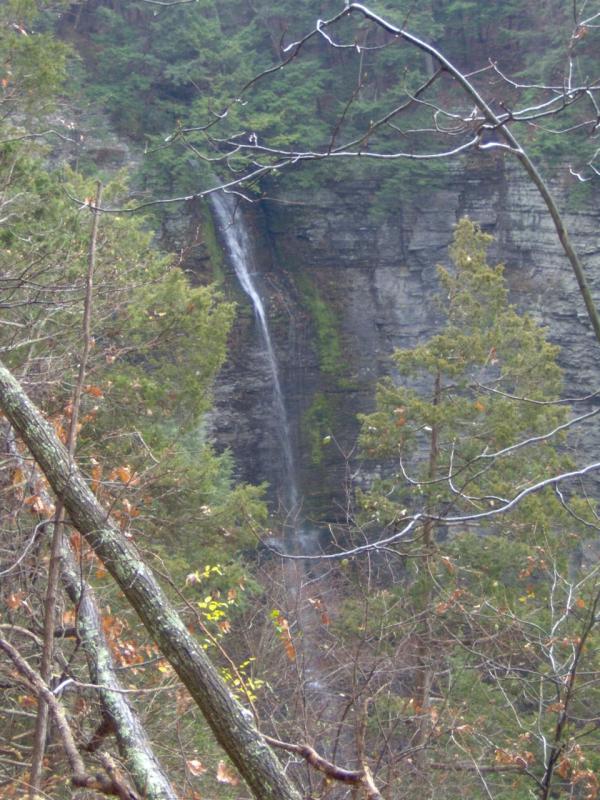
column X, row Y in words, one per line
column 134, row 746
column 146, row 772
column 232, row 727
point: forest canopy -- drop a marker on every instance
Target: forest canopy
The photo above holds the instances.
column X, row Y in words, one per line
column 171, row 630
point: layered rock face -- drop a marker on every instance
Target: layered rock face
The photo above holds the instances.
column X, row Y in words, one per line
column 344, row 288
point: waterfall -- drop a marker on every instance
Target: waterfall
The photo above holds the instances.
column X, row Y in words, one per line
column 241, row 253
column 299, row 576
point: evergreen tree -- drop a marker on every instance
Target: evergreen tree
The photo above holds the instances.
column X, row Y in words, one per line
column 157, row 344
column 471, row 624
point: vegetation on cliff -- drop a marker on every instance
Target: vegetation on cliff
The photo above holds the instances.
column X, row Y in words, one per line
column 471, row 622
column 439, row 635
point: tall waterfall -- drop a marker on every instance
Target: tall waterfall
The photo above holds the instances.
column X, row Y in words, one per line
column 241, row 252
column 301, row 539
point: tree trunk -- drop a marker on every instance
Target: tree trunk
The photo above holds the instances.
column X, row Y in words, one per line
column 232, row 727
column 134, row 746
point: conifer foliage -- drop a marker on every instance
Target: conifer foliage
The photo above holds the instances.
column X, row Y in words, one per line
column 461, row 660
column 490, row 622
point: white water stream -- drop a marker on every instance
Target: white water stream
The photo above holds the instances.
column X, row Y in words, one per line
column 299, row 577
column 241, row 253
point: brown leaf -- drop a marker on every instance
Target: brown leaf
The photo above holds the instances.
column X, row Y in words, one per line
column 76, row 542
column 286, row 638
column 17, row 477
column 196, row 767
column 447, row 562
column 15, row 600
column 564, row 768
column 59, row 429
column 226, row 775
column 69, row 617
column 129, row 508
column 96, row 476
column 27, row 701
column 124, row 473
column 38, row 505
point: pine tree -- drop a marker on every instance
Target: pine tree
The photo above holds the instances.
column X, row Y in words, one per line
column 471, row 622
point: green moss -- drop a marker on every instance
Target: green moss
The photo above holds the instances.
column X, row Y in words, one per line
column 316, row 425
column 213, row 248
column 581, row 195
column 328, row 342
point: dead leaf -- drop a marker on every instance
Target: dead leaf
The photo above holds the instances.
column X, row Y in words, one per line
column 226, row 775
column 564, row 768
column 15, row 600
column 38, row 505
column 447, row 562
column 196, row 767
column 124, row 473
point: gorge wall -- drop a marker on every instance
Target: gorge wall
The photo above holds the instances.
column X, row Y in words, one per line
column 345, row 277
column 344, row 288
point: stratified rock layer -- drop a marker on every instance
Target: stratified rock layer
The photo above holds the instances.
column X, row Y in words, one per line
column 376, row 277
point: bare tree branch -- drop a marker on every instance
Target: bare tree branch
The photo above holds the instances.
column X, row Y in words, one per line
column 112, row 783
column 360, row 777
column 232, row 726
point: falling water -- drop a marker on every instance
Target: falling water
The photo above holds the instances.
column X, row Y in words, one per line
column 241, row 253
column 302, row 540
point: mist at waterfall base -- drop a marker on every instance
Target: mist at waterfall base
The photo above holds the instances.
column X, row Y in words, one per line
column 229, row 215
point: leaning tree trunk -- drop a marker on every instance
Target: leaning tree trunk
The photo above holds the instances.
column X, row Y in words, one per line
column 132, row 740
column 232, row 727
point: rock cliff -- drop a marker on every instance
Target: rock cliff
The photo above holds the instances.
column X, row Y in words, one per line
column 344, row 287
